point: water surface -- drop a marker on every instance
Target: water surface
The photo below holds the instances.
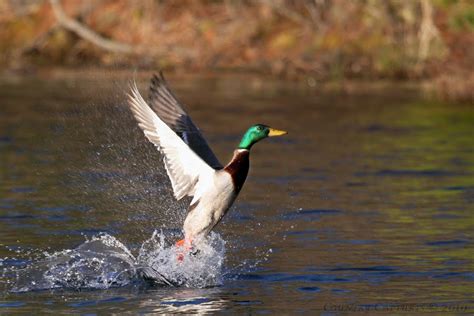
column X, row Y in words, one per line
column 366, row 203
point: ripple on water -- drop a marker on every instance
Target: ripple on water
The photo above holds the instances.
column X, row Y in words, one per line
column 97, row 302
column 310, row 289
column 409, row 173
column 309, row 214
column 448, row 243
column 12, row 304
column 287, row 277
column 23, row 190
column 16, row 216
column 6, row 140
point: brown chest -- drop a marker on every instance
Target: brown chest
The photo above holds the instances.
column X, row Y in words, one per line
column 238, row 168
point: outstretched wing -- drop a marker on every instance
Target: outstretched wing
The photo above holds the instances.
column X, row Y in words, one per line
column 186, row 170
column 168, row 109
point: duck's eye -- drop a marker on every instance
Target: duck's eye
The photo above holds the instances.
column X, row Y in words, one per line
column 259, row 128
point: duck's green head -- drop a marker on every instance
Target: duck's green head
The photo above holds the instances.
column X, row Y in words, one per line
column 256, row 133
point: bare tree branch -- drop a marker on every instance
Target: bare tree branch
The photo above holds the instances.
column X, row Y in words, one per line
column 87, row 33
column 428, row 30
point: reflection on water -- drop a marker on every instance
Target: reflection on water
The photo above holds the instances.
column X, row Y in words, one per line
column 192, row 301
column 368, row 201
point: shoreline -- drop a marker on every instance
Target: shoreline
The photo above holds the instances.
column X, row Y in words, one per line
column 257, row 79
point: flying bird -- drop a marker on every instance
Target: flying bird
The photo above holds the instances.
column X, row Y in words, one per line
column 191, row 165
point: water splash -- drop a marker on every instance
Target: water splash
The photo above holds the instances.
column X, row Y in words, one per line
column 202, row 269
column 103, row 262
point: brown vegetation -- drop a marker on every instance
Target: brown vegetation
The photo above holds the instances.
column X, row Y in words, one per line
column 319, row 39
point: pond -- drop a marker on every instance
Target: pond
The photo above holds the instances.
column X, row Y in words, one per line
column 367, row 203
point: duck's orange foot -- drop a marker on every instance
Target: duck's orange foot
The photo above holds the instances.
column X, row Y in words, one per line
column 183, row 243
column 180, row 243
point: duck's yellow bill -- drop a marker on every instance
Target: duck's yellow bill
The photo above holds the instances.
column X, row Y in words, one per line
column 276, row 132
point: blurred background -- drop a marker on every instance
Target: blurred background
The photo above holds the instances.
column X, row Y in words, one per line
column 422, row 41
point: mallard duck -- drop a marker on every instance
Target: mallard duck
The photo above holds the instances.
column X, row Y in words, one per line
column 191, row 165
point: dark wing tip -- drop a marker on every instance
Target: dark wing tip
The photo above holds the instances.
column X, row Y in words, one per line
column 158, row 79
column 159, row 87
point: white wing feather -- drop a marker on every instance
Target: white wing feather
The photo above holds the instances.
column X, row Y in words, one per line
column 185, row 168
